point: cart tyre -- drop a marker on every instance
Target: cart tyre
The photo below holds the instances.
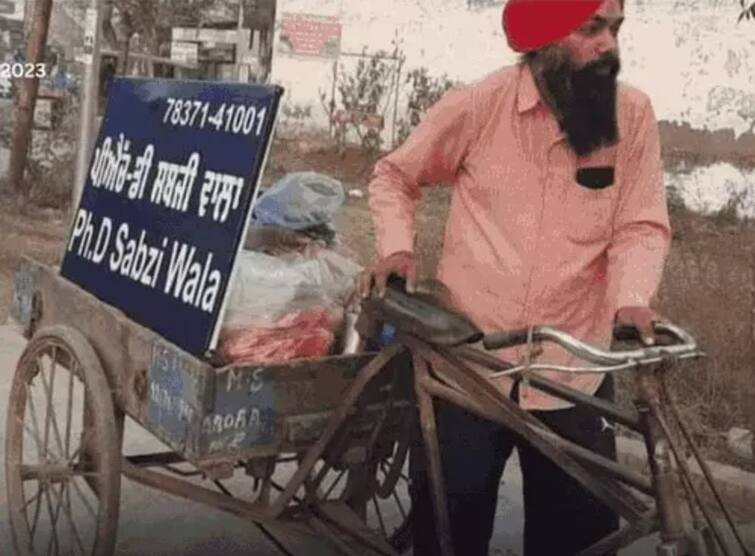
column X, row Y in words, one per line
column 365, row 498
column 62, row 344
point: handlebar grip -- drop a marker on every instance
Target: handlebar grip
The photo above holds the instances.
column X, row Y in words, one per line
column 663, row 336
column 626, row 333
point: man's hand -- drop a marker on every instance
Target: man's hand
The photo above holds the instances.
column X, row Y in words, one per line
column 402, row 263
column 641, row 318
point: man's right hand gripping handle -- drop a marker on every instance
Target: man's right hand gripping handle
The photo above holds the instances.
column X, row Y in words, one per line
column 402, row 263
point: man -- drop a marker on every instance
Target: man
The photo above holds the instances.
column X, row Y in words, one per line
column 558, row 216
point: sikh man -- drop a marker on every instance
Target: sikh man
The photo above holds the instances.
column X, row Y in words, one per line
column 558, row 216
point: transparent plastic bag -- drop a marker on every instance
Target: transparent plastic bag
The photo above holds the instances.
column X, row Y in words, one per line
column 266, row 288
column 305, row 333
column 300, row 200
column 285, row 307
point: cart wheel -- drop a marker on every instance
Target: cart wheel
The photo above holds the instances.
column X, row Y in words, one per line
column 62, row 468
column 390, row 508
column 379, row 494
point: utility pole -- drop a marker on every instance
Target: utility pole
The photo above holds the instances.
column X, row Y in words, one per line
column 240, row 46
column 89, row 94
column 23, row 119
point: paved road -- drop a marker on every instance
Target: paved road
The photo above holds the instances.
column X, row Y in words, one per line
column 156, row 524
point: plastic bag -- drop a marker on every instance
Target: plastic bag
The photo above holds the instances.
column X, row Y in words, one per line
column 298, row 334
column 300, row 200
column 266, row 288
column 285, row 307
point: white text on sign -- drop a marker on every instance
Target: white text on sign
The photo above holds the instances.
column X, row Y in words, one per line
column 228, row 118
column 190, row 276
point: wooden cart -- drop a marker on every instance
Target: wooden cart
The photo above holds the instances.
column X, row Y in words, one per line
column 323, row 441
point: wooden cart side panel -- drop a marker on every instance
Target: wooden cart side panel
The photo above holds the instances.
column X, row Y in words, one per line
column 264, row 409
column 162, row 387
column 207, row 415
column 23, row 295
column 252, row 404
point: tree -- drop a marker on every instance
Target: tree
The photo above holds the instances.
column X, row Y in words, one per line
column 151, row 18
column 748, row 12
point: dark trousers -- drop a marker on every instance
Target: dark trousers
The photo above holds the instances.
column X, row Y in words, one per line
column 561, row 518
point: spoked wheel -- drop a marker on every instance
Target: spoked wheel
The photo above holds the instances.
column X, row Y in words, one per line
column 389, row 509
column 378, row 493
column 62, row 456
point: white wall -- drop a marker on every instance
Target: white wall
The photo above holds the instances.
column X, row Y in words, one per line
column 692, row 58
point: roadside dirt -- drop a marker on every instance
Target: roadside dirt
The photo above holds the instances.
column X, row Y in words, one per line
column 37, row 233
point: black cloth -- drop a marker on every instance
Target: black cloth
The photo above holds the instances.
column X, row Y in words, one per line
column 561, row 518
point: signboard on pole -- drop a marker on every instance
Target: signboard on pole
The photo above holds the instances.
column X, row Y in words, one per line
column 310, row 35
column 185, row 52
column 12, row 9
column 90, row 30
column 43, row 113
column 167, row 199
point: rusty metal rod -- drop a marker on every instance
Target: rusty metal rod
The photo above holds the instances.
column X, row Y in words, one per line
column 429, row 430
column 628, row 418
column 184, row 489
column 516, row 418
column 688, row 475
column 703, row 465
column 635, row 480
column 367, row 373
column 616, row 470
column 698, row 520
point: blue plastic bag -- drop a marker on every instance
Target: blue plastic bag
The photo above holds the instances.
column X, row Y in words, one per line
column 300, row 200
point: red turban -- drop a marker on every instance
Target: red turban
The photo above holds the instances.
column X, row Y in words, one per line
column 533, row 24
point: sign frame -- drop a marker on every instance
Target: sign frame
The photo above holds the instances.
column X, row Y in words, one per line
column 242, row 158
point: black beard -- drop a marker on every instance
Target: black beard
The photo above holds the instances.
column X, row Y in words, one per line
column 585, row 102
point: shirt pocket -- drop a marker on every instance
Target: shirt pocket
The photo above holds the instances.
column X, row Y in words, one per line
column 589, row 213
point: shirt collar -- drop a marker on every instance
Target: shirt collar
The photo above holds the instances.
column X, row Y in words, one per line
column 527, row 94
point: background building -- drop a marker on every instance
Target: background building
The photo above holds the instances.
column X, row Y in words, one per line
column 690, row 56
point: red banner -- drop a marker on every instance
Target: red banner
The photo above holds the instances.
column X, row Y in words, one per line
column 311, row 35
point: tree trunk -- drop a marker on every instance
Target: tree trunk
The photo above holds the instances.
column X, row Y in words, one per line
column 27, row 96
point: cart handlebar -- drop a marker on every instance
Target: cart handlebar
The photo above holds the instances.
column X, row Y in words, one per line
column 677, row 343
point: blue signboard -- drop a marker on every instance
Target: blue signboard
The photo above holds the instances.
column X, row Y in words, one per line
column 167, row 199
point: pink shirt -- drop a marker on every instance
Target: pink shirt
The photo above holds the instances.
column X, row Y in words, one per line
column 524, row 242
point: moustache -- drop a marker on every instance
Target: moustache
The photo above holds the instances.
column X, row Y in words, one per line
column 607, row 65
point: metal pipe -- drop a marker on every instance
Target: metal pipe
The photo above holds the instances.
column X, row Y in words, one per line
column 628, row 418
column 661, row 423
column 686, row 346
column 635, row 480
column 90, row 95
column 659, row 459
column 703, row 466
column 239, row 42
column 473, row 384
column 334, row 423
